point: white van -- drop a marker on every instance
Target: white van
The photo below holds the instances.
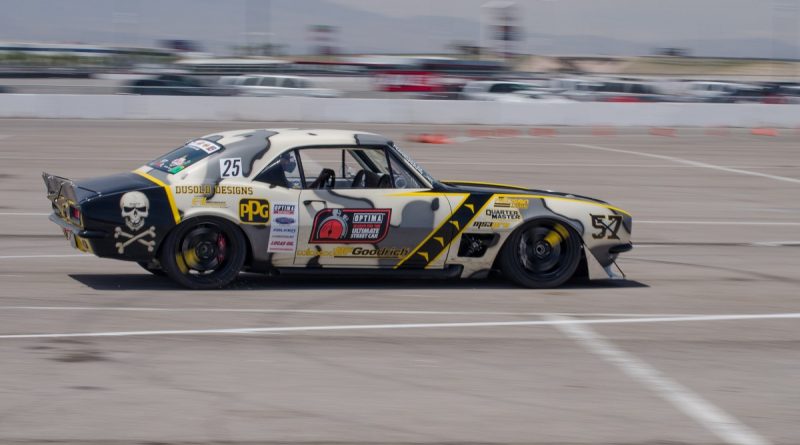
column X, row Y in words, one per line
column 276, row 85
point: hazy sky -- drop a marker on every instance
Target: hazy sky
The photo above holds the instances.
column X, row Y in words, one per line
column 762, row 28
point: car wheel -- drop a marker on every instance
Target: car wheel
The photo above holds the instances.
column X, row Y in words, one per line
column 155, row 270
column 204, row 253
column 541, row 254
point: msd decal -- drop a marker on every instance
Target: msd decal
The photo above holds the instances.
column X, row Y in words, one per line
column 350, row 226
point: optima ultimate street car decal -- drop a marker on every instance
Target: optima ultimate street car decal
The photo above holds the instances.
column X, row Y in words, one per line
column 350, row 226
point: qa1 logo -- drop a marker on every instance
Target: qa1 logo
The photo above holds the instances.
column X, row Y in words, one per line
column 254, row 211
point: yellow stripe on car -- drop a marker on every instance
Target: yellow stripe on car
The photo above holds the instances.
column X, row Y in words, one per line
column 488, row 184
column 559, row 198
column 167, row 190
column 445, row 248
column 463, row 196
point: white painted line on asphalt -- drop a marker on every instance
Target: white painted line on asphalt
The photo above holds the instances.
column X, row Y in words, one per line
column 67, row 158
column 703, row 412
column 422, row 160
column 722, row 223
column 776, row 243
column 19, row 257
column 406, row 326
column 688, row 162
column 545, row 164
column 325, row 311
column 22, row 214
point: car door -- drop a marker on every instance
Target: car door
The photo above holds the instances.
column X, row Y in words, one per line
column 372, row 212
column 269, row 214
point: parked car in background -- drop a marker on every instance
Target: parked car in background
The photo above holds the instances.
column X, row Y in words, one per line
column 408, row 81
column 535, row 95
column 276, row 85
column 176, row 85
column 496, row 90
column 725, row 92
column 617, row 91
column 781, row 93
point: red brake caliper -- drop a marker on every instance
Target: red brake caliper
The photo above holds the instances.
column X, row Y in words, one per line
column 221, row 245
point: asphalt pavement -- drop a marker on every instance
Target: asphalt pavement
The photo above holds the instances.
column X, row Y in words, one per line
column 701, row 345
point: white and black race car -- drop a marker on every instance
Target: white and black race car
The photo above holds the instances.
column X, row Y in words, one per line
column 290, row 201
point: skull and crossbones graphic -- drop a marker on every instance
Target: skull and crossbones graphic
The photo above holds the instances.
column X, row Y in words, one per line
column 135, row 208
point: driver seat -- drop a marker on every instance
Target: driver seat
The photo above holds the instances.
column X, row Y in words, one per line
column 324, row 176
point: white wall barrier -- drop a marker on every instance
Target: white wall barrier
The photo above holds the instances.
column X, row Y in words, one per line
column 300, row 109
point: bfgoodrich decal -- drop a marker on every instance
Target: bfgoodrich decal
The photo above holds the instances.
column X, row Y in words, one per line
column 343, row 226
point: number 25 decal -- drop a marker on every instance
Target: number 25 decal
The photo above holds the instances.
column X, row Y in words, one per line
column 230, row 167
column 606, row 229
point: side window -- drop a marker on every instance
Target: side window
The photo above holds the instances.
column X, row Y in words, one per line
column 353, row 168
column 403, row 178
column 282, row 172
column 500, row 88
column 289, row 83
column 251, row 81
column 267, row 82
column 321, row 167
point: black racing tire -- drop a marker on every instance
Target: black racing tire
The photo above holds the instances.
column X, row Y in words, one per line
column 541, row 254
column 157, row 271
column 204, row 253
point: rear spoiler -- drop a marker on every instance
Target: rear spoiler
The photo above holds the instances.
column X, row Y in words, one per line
column 55, row 184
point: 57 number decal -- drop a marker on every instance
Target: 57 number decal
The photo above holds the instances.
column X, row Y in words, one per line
column 230, row 167
column 607, row 226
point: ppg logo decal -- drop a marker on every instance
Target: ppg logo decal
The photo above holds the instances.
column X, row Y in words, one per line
column 254, row 211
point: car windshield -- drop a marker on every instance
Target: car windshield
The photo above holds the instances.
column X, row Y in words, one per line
column 181, row 158
column 413, row 164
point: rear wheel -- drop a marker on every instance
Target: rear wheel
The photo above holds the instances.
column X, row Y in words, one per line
column 204, row 253
column 541, row 254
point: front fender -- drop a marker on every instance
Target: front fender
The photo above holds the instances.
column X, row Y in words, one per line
column 605, row 230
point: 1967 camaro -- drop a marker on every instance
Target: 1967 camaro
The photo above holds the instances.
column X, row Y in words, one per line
column 335, row 202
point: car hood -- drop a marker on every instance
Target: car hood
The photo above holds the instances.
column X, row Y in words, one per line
column 488, row 187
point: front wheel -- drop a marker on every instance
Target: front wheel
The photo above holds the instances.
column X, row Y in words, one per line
column 541, row 254
column 204, row 253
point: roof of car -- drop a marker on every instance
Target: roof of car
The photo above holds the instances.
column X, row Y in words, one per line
column 283, row 138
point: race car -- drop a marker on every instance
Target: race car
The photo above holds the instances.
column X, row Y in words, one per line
column 330, row 202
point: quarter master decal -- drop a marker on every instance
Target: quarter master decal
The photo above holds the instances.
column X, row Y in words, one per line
column 350, row 226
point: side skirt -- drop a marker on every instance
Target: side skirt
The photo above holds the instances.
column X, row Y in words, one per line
column 452, row 271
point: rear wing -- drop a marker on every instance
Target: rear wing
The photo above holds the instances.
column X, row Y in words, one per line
column 55, row 185
column 63, row 193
